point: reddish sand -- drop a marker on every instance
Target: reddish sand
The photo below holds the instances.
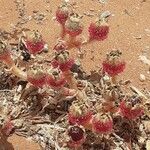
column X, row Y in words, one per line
column 129, row 32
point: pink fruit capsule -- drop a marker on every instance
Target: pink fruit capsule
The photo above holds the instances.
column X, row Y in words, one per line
column 102, row 123
column 81, row 120
column 73, row 25
column 36, row 76
column 63, row 61
column 79, row 114
column 62, row 14
column 129, row 111
column 35, row 43
column 98, row 31
column 55, row 79
column 113, row 65
column 113, row 69
column 35, row 47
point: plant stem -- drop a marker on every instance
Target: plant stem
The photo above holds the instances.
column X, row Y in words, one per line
column 63, row 32
column 129, row 145
column 70, row 79
column 73, row 42
column 73, row 84
column 14, row 69
column 114, row 79
column 78, row 43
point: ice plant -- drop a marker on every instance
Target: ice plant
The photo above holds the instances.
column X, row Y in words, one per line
column 80, row 113
column 74, row 28
column 102, row 123
column 36, row 75
column 76, row 135
column 6, row 58
column 62, row 14
column 113, row 65
column 98, row 30
column 34, row 43
column 131, row 110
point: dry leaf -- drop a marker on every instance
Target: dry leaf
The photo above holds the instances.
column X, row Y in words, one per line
column 148, row 145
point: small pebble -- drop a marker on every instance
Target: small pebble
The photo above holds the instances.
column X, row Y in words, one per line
column 103, row 1
column 142, row 78
column 105, row 14
column 106, row 78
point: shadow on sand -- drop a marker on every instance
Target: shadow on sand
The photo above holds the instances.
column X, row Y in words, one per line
column 5, row 145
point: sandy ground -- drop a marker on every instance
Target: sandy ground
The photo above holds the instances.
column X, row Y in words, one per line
column 130, row 32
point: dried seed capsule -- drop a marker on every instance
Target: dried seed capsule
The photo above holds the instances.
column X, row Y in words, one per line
column 77, row 136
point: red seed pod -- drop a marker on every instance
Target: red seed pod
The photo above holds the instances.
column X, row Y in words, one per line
column 63, row 61
column 98, row 31
column 129, row 110
column 102, row 123
column 35, row 43
column 60, row 46
column 55, row 79
column 62, row 14
column 79, row 113
column 77, row 136
column 112, row 65
column 73, row 25
column 4, row 53
column 36, row 76
column 7, row 128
